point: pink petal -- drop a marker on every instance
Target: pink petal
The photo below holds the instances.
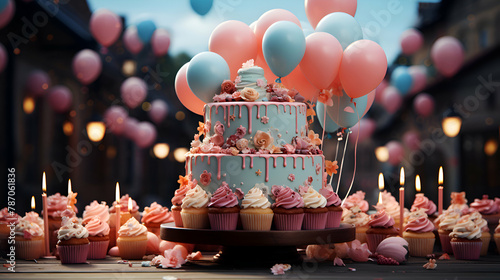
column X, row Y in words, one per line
column 338, row 262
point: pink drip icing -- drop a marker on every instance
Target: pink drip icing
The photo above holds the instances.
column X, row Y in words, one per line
column 275, row 162
column 249, row 108
column 219, row 157
column 258, row 111
column 243, row 164
column 294, row 162
column 251, row 162
column 284, row 108
column 303, row 163
column 284, row 162
column 191, row 161
column 266, row 109
column 208, row 160
column 296, row 120
column 228, row 116
column 312, row 158
column 240, row 111
column 202, row 158
column 267, row 169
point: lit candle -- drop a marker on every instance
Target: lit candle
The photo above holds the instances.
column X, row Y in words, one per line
column 401, row 200
column 70, row 194
column 418, row 185
column 33, row 206
column 45, row 215
column 117, row 209
column 440, row 191
column 127, row 215
column 381, row 186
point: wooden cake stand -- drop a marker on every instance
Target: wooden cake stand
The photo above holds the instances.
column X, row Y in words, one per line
column 244, row 247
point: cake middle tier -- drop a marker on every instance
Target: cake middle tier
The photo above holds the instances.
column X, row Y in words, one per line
column 246, row 170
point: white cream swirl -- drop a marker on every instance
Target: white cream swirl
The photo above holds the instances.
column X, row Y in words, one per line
column 196, row 198
column 449, row 220
column 255, row 199
column 313, row 199
column 71, row 230
column 27, row 228
column 466, row 229
column 477, row 218
column 132, row 228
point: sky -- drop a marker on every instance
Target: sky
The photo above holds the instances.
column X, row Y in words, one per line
column 190, row 32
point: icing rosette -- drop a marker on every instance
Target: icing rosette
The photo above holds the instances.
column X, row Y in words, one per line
column 223, row 197
column 313, row 199
column 484, row 206
column 6, row 217
column 422, row 202
column 132, row 228
column 287, row 198
column 387, row 197
column 418, row 222
column 70, row 230
column 196, row 198
column 96, row 227
column 477, row 218
column 356, row 217
column 33, row 217
column 381, row 219
column 56, row 204
column 94, row 209
column 180, row 193
column 155, row 213
column 332, row 198
column 467, row 229
column 27, row 229
column 124, row 205
column 449, row 219
column 255, row 199
column 358, row 199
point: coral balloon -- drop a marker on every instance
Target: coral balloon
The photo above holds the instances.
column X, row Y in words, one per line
column 235, row 42
column 60, row 99
column 87, row 66
column 391, row 99
column 105, row 26
column 364, row 129
column 201, row 7
column 318, row 9
column 363, row 58
column 419, row 78
column 159, row 111
column 401, row 79
column 379, row 91
column 424, row 105
column 411, row 41
column 3, row 57
column 153, row 245
column 160, row 42
column 267, row 19
column 342, row 26
column 447, row 53
column 297, row 80
column 146, row 135
column 115, row 119
column 38, row 83
column 7, row 13
column 321, row 61
column 184, row 93
column 396, row 152
column 145, row 30
column 133, row 91
column 131, row 40
column 411, row 140
column 205, row 74
column 130, row 127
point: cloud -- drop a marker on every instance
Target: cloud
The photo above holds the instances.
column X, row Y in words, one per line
column 191, row 34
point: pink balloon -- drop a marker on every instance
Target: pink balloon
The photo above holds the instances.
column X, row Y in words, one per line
column 87, row 66
column 159, row 111
column 115, row 117
column 424, row 105
column 131, row 40
column 235, row 42
column 411, row 139
column 364, row 128
column 184, row 93
column 447, row 53
column 160, row 42
column 411, row 41
column 146, row 135
column 133, row 91
column 60, row 99
column 130, row 128
column 3, row 57
column 105, row 26
column 391, row 99
column 363, row 58
column 268, row 74
column 38, row 83
column 396, row 152
column 153, row 245
column 7, row 14
column 370, row 98
column 419, row 78
column 114, row 252
column 317, row 9
column 267, row 19
column 297, row 80
column 379, row 91
column 321, row 61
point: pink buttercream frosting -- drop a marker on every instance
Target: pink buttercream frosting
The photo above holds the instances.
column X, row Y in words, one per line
column 96, row 227
column 286, row 198
column 180, row 193
column 422, row 202
column 56, row 204
column 124, row 205
column 223, row 197
column 485, row 206
column 332, row 198
column 381, row 219
column 6, row 217
column 420, row 224
column 96, row 209
column 357, row 198
column 155, row 213
column 33, row 217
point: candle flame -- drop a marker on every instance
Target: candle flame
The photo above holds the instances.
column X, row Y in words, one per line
column 33, row 206
column 381, row 184
column 402, row 176
column 129, row 204
column 44, row 183
column 440, row 177
column 117, row 193
column 379, row 198
column 418, row 185
column 70, row 190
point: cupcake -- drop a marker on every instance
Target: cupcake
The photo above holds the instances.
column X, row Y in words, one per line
column 390, row 205
column 359, row 219
column 29, row 240
column 477, row 218
column 447, row 221
column 315, row 211
column 73, row 244
column 123, row 218
column 33, row 217
column 94, row 209
column 333, row 205
column 357, row 199
column 418, row 233
column 185, row 185
column 256, row 213
column 496, row 236
column 132, row 240
column 381, row 225
column 422, row 202
column 287, row 208
column 155, row 215
column 223, row 209
column 56, row 204
column 98, row 238
column 488, row 208
column 6, row 218
column 459, row 202
column 194, row 211
column 466, row 240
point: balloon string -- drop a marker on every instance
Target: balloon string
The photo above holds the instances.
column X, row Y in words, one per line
column 278, row 80
column 336, row 156
column 342, row 162
column 355, row 157
column 324, row 125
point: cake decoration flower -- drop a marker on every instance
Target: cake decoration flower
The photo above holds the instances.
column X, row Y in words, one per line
column 249, row 63
column 173, row 258
column 331, row 167
column 264, row 119
column 234, row 151
column 219, row 128
column 325, row 97
column 338, row 262
column 183, row 180
column 262, row 140
column 228, row 86
column 236, row 96
column 431, row 264
column 279, row 268
column 205, row 178
column 249, row 94
column 237, row 80
column 291, row 177
column 201, row 128
column 314, row 138
column 241, row 131
column 239, row 193
column 242, row 144
column 261, row 83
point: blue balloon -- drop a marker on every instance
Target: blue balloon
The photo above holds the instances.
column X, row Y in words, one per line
column 330, row 126
column 145, row 30
column 283, row 46
column 344, row 113
column 3, row 4
column 401, row 79
column 201, row 7
column 205, row 74
column 342, row 26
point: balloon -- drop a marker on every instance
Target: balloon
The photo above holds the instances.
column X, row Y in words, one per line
column 411, row 41
column 321, row 61
column 3, row 4
column 153, row 245
column 447, row 53
column 131, row 40
column 133, row 91
column 411, row 140
column 370, row 97
column 267, row 19
column 201, row 7
column 318, row 9
column 424, row 105
column 146, row 135
column 235, row 42
column 401, row 79
column 145, row 30
column 159, row 111
column 331, row 126
column 184, row 93
column 364, row 129
column 379, row 91
column 3, row 57
column 283, row 46
column 298, row 81
column 115, row 119
column 87, row 66
column 391, row 99
column 343, row 111
column 396, row 152
column 60, row 99
column 105, row 26
column 205, row 74
column 342, row 26
column 419, row 77
column 130, row 128
column 38, row 83
column 160, row 42
column 7, row 13
column 366, row 59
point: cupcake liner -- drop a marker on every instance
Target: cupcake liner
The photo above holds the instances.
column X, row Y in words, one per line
column 497, row 242
column 29, row 249
column 445, row 243
column 98, row 250
column 373, row 239
column 260, row 222
column 177, row 218
column 288, row 221
column 333, row 219
column 314, row 220
column 223, row 221
column 132, row 249
column 486, row 243
column 466, row 250
column 73, row 253
column 420, row 247
column 199, row 221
